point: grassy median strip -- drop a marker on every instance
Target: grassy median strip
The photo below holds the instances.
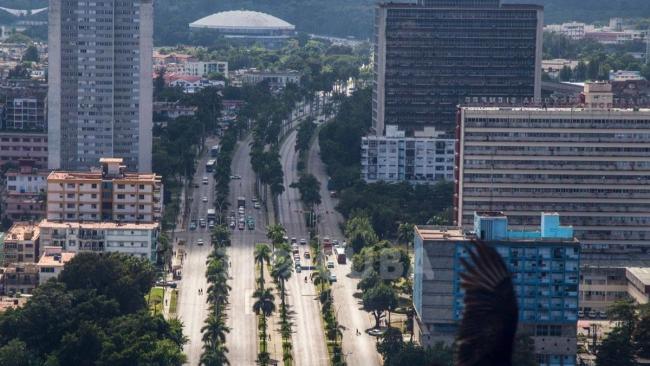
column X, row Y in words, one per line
column 155, row 300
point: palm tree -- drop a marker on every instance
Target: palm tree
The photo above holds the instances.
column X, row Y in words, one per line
column 214, row 355
column 262, row 255
column 281, row 272
column 334, row 330
column 220, row 236
column 405, row 234
column 320, row 276
column 275, row 233
column 165, row 250
column 214, row 331
column 263, row 306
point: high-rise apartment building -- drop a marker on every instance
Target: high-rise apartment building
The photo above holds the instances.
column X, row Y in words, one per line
column 589, row 163
column 545, row 269
column 108, row 194
column 100, row 89
column 433, row 55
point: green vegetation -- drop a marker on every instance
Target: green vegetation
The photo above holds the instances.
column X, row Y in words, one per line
column 396, row 352
column 173, row 303
column 630, row 337
column 597, row 60
column 215, row 328
column 340, row 140
column 94, row 314
column 155, row 300
column 264, row 305
column 281, row 272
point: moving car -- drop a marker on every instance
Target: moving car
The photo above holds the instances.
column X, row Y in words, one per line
column 235, row 177
column 332, row 277
column 202, row 223
column 241, row 226
column 211, row 224
column 205, row 180
column 298, row 269
column 199, row 242
column 307, row 255
column 256, row 205
column 204, row 199
column 330, row 264
column 294, row 240
column 193, row 225
column 232, row 224
column 303, row 241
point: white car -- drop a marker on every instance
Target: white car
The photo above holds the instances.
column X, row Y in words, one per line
column 332, row 277
column 256, row 205
column 330, row 264
column 204, row 199
column 199, row 242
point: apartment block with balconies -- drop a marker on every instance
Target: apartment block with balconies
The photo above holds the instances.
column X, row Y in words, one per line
column 107, row 194
column 590, row 163
column 21, row 244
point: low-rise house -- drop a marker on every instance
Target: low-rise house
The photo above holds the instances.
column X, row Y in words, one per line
column 52, row 262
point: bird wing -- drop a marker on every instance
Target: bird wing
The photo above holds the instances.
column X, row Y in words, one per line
column 490, row 316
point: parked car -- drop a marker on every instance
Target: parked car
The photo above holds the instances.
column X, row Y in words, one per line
column 332, row 277
column 581, row 314
column 307, row 255
column 602, row 314
column 593, row 314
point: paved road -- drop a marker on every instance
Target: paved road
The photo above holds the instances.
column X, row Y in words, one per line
column 242, row 340
column 308, row 338
column 192, row 308
column 359, row 350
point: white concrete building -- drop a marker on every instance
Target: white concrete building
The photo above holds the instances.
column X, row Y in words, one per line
column 201, row 68
column 134, row 239
column 100, row 90
column 52, row 262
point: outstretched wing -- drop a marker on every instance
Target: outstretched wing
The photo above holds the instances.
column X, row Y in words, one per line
column 489, row 322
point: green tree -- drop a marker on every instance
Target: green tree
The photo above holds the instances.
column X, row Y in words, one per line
column 378, row 300
column 15, row 353
column 360, row 233
column 262, row 255
column 215, row 330
column 580, row 72
column 281, row 272
column 263, row 306
column 124, row 278
column 276, row 233
column 566, row 74
column 220, row 236
column 309, row 188
column 616, row 349
column 391, row 344
column 31, row 54
column 624, row 311
column 214, row 356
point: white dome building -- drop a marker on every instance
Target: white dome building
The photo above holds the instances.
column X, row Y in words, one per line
column 247, row 25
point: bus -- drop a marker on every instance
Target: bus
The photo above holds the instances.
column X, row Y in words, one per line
column 214, row 151
column 209, row 167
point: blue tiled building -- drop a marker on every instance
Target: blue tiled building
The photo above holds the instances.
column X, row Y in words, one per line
column 545, row 268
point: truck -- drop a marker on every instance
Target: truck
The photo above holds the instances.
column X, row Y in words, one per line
column 241, row 202
column 212, row 214
column 340, row 255
column 327, row 245
column 214, row 151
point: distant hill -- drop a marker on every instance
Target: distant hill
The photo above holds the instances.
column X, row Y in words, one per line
column 342, row 17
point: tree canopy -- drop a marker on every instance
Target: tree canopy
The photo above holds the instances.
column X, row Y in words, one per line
column 94, row 314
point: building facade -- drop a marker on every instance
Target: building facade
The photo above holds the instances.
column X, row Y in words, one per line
column 24, row 197
column 21, row 145
column 201, row 68
column 100, row 91
column 276, row 79
column 21, row 244
column 590, row 163
column 431, row 56
column 416, row 160
column 545, row 269
column 52, row 262
column 25, row 114
column 18, row 278
column 107, row 194
column 136, row 239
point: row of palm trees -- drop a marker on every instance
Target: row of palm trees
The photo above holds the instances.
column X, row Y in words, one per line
column 281, row 272
column 215, row 328
column 264, row 304
column 333, row 330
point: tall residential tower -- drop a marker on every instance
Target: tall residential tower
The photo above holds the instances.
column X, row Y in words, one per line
column 100, row 86
column 436, row 54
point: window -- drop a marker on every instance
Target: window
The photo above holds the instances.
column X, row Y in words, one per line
column 120, row 196
column 94, row 185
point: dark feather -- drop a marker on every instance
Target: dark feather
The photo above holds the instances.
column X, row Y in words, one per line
column 489, row 323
